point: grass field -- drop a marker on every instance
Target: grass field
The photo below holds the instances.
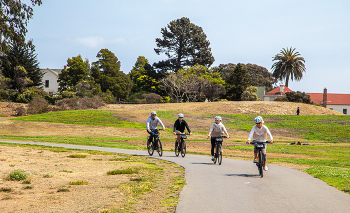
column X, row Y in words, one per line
column 327, row 157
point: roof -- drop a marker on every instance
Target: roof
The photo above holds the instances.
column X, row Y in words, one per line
column 334, row 98
column 276, row 91
column 54, row 71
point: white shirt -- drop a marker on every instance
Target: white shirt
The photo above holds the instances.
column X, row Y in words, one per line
column 153, row 123
column 260, row 134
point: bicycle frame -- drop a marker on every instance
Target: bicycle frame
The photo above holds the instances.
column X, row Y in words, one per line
column 262, row 157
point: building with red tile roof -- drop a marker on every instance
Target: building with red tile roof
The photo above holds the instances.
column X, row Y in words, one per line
column 335, row 101
column 276, row 93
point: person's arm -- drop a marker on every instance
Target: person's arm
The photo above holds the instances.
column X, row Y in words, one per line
column 175, row 125
column 148, row 125
column 210, row 130
column 225, row 131
column 161, row 123
column 251, row 134
column 269, row 134
column 188, row 128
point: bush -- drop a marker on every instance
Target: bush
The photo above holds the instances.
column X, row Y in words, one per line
column 108, row 97
column 299, row 97
column 152, row 98
column 38, row 105
column 4, row 95
column 20, row 111
column 17, row 174
column 80, row 103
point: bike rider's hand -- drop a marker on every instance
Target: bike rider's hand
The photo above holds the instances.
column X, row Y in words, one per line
column 190, row 133
column 248, row 142
column 271, row 142
column 174, row 133
column 148, row 130
column 228, row 136
column 163, row 129
column 209, row 136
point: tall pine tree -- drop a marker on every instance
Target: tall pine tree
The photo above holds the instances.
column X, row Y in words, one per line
column 236, row 83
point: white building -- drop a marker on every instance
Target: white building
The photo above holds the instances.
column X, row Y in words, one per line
column 50, row 78
column 277, row 93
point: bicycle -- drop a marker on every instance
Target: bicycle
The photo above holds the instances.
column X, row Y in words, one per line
column 151, row 145
column 261, row 156
column 218, row 150
column 181, row 147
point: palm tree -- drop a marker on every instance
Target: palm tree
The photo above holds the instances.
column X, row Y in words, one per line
column 288, row 65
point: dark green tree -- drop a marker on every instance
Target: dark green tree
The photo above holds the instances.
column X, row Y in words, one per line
column 236, row 83
column 144, row 77
column 185, row 44
column 78, row 70
column 258, row 75
column 289, row 64
column 106, row 72
column 20, row 62
column 14, row 17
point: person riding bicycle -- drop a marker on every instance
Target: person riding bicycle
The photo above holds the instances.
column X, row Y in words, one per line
column 217, row 129
column 152, row 123
column 179, row 128
column 258, row 133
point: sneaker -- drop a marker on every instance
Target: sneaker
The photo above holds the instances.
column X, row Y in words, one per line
column 255, row 161
column 212, row 158
column 265, row 168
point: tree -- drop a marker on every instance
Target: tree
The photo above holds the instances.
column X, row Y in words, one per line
column 236, row 83
column 213, row 92
column 20, row 64
column 288, row 65
column 185, row 44
column 14, row 17
column 250, row 94
column 201, row 71
column 78, row 70
column 144, row 77
column 106, row 72
column 299, row 97
column 258, row 75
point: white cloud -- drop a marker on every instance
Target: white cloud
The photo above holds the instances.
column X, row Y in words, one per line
column 98, row 42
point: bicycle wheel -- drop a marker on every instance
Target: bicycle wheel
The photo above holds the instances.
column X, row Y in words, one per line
column 220, row 154
column 177, row 149
column 160, row 148
column 261, row 164
column 150, row 147
column 215, row 154
column 183, row 150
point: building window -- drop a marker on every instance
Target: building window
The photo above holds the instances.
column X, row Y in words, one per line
column 272, row 98
column 345, row 111
column 46, row 83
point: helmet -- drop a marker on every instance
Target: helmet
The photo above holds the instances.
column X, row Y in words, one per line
column 181, row 115
column 153, row 113
column 258, row 119
column 218, row 118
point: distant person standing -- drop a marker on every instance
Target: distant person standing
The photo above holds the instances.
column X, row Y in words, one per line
column 298, row 111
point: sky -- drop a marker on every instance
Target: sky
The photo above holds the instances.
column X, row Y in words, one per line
column 250, row 31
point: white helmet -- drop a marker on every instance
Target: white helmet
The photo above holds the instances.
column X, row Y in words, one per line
column 181, row 115
column 218, row 118
column 153, row 113
column 258, row 119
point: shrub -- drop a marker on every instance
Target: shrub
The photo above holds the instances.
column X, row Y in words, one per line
column 80, row 103
column 20, row 111
column 6, row 189
column 4, row 95
column 38, row 105
column 17, row 174
column 123, row 171
column 79, row 183
column 299, row 97
column 108, row 97
column 152, row 98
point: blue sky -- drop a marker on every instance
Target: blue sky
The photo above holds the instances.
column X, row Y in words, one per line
column 251, row 31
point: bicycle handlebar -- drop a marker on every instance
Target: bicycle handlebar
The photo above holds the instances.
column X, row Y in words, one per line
column 255, row 142
column 219, row 136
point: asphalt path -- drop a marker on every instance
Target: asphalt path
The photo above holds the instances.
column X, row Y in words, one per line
column 235, row 186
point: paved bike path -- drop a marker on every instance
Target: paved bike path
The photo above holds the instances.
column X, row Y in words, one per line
column 235, row 186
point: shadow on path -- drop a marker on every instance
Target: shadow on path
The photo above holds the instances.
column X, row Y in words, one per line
column 242, row 175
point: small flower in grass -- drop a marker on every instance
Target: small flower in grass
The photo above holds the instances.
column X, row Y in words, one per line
column 17, row 174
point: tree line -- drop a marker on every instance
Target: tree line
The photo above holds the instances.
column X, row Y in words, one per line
column 186, row 74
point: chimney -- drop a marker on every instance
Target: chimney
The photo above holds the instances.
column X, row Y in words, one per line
column 281, row 89
column 325, row 97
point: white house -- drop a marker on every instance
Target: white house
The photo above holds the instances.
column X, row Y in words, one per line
column 50, row 78
column 334, row 101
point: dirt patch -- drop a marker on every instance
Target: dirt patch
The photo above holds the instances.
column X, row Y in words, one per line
column 51, row 173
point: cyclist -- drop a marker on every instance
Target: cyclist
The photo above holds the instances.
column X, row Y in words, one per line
column 152, row 123
column 258, row 133
column 217, row 129
column 179, row 128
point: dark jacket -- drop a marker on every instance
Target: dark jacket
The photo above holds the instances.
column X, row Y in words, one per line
column 181, row 127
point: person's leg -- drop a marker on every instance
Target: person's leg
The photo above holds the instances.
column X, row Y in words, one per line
column 212, row 146
column 265, row 158
column 256, row 151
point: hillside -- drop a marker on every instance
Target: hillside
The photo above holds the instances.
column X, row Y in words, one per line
column 233, row 107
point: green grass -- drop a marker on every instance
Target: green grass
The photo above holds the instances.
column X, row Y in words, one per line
column 82, row 117
column 17, row 174
column 79, row 183
column 77, row 156
column 3, row 189
column 123, row 171
column 330, row 128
